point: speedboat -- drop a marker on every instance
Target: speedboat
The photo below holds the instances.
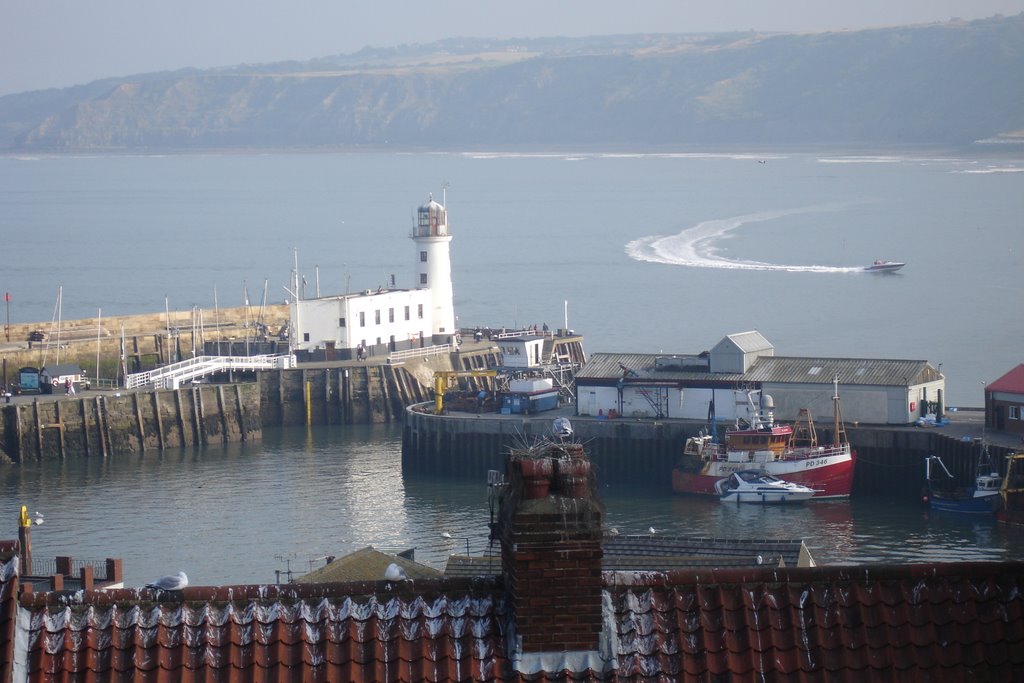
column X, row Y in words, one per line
column 884, row 266
column 753, row 486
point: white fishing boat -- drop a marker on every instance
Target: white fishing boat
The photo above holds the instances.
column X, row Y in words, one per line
column 753, row 486
column 884, row 266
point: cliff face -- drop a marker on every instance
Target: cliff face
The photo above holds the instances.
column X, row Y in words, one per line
column 943, row 84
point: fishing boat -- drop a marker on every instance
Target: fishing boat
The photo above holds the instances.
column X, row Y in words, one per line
column 752, row 486
column 884, row 267
column 943, row 494
column 1011, row 493
column 789, row 452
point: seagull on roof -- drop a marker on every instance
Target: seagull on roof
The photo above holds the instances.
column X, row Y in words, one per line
column 445, row 534
column 171, row 582
column 394, row 573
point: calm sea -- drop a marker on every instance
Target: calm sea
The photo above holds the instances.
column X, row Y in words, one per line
column 646, row 253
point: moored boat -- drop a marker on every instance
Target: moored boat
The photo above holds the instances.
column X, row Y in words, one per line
column 757, row 443
column 884, row 266
column 751, row 486
column 1011, row 493
column 944, row 495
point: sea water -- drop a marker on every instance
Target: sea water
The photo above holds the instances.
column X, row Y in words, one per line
column 638, row 253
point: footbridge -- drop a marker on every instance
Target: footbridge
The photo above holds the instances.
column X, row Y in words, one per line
column 172, row 376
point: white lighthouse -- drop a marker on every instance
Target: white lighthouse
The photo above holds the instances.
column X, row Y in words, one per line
column 434, row 265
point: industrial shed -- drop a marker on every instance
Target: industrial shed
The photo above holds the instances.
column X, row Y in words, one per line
column 873, row 391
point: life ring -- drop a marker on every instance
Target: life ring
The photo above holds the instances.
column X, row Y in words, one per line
column 55, row 382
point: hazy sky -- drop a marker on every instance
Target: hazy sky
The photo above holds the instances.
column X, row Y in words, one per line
column 55, row 43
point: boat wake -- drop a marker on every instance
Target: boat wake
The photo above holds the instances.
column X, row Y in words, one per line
column 696, row 246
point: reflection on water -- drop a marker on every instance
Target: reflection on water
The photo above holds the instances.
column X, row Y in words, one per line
column 238, row 513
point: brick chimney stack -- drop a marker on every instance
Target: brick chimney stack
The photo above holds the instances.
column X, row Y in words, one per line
column 551, row 551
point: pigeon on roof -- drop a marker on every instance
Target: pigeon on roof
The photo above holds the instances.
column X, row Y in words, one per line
column 394, row 573
column 171, row 582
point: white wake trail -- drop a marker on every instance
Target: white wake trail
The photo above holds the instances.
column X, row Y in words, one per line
column 696, row 246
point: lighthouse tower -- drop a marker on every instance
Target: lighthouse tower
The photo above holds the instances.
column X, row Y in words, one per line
column 434, row 265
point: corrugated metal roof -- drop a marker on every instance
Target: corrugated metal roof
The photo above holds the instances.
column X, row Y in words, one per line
column 865, row 371
column 766, row 369
column 749, row 341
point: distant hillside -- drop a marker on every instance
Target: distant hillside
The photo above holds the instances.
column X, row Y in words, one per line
column 945, row 85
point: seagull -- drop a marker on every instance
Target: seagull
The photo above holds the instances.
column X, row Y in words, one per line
column 172, row 582
column 613, row 531
column 445, row 534
column 652, row 530
column 394, row 573
column 38, row 518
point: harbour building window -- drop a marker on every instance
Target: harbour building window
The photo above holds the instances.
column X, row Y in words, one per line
column 341, row 322
column 406, row 312
column 362, row 318
column 376, row 316
column 1014, row 412
column 419, row 311
column 423, row 257
column 391, row 315
column 423, row 278
column 305, row 336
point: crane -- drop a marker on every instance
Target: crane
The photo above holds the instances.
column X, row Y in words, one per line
column 443, row 380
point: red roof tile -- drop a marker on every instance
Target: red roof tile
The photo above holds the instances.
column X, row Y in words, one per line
column 8, row 606
column 1012, row 382
column 905, row 623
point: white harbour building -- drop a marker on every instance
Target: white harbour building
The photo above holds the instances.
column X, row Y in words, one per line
column 385, row 320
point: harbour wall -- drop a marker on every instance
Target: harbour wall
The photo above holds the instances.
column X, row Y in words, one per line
column 100, row 424
column 890, row 461
column 107, row 424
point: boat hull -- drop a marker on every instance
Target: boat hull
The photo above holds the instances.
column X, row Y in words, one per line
column 884, row 267
column 966, row 504
column 831, row 476
column 767, row 497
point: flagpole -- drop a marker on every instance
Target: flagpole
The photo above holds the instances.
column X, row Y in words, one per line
column 7, row 329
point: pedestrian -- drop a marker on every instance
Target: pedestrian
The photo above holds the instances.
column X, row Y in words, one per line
column 67, row 387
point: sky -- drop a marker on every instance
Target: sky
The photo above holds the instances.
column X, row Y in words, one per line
column 57, row 43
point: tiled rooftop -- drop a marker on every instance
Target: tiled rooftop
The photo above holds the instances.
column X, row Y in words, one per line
column 664, row 553
column 944, row 622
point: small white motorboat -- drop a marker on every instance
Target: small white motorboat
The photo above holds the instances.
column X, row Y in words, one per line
column 752, row 486
column 884, row 266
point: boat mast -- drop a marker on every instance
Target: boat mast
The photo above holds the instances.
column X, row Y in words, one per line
column 838, row 428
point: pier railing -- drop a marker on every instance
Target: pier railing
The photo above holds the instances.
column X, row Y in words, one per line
column 399, row 356
column 171, row 376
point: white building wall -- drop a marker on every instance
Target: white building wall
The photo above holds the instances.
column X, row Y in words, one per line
column 370, row 318
column 317, row 322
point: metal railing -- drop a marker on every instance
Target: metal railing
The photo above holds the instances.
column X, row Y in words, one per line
column 170, row 376
column 397, row 356
column 48, row 567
